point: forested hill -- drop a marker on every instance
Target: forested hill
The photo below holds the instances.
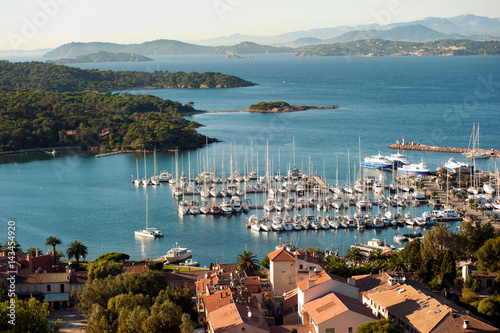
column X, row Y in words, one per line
column 59, row 78
column 380, row 47
column 32, row 119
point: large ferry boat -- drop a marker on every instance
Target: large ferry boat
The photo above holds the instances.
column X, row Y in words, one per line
column 377, row 162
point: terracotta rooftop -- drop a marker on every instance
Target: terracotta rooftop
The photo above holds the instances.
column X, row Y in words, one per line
column 219, row 299
column 281, row 255
column 318, row 278
column 287, row 328
column 233, row 314
column 454, row 322
column 413, row 306
column 331, row 305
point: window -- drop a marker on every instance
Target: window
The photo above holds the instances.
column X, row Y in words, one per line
column 27, row 289
column 290, row 279
column 48, row 287
column 20, row 289
column 283, row 267
column 301, row 266
column 349, row 330
column 173, row 284
column 330, row 330
column 36, row 288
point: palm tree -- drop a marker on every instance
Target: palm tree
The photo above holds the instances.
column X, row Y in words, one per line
column 396, row 263
column 32, row 251
column 377, row 255
column 76, row 249
column 8, row 247
column 354, row 255
column 494, row 216
column 247, row 261
column 53, row 241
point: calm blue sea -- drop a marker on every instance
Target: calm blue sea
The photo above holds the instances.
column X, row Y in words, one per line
column 430, row 100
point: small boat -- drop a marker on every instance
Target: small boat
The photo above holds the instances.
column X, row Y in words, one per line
column 265, row 224
column 190, row 262
column 400, row 238
column 215, row 210
column 165, row 176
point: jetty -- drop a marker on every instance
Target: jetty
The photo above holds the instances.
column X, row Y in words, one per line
column 423, row 147
column 115, row 153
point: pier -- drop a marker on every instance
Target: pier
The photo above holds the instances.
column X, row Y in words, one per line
column 422, row 147
column 115, row 153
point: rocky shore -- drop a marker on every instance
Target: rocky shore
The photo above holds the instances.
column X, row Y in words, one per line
column 422, row 147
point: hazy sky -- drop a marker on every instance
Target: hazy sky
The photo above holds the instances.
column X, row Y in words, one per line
column 34, row 24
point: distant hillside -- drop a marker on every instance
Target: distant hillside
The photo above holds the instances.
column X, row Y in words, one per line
column 249, row 48
column 159, row 47
column 103, row 56
column 408, row 33
column 379, row 47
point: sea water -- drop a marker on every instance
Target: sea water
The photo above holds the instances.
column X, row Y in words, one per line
column 429, row 100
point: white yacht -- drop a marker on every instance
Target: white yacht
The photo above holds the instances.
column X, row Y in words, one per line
column 165, row 176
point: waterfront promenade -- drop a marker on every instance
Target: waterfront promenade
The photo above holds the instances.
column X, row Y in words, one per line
column 431, row 186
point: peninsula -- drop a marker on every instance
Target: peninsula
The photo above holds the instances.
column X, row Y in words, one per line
column 60, row 78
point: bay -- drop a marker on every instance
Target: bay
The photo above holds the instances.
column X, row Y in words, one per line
column 430, row 100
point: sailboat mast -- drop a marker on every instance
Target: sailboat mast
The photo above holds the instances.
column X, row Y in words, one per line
column 146, row 210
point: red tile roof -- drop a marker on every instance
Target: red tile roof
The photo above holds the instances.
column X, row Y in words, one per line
column 281, row 255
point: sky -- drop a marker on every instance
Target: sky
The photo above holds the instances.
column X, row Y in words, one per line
column 41, row 24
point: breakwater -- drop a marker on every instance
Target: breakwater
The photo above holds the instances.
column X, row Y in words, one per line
column 422, row 147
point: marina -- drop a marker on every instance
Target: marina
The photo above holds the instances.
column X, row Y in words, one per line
column 76, row 196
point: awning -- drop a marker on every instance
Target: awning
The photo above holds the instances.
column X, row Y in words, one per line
column 55, row 297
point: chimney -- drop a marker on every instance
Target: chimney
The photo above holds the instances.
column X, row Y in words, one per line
column 37, row 253
column 351, row 281
column 310, row 284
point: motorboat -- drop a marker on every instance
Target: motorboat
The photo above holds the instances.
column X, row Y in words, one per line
column 453, row 166
column 190, row 262
column 236, row 203
column 177, row 254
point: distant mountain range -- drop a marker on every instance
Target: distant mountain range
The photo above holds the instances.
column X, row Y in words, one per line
column 470, row 27
column 464, row 26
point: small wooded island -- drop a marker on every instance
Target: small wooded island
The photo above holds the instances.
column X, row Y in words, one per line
column 102, row 56
column 276, row 107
